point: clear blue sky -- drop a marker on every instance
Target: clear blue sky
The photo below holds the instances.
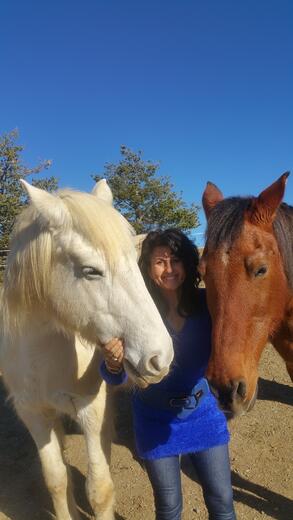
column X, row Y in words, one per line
column 204, row 87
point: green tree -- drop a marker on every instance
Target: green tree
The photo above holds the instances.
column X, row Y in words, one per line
column 12, row 197
column 146, row 199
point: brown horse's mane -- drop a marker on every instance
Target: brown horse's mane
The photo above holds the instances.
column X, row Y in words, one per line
column 226, row 222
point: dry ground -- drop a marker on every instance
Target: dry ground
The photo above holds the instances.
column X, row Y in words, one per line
column 261, row 454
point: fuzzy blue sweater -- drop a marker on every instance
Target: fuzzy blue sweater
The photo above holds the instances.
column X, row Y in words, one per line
column 162, row 432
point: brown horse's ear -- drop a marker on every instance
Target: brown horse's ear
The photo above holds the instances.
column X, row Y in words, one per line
column 264, row 207
column 211, row 196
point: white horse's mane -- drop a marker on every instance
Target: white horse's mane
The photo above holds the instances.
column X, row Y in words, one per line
column 32, row 246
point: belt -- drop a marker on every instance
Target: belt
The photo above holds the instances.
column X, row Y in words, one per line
column 188, row 402
column 182, row 405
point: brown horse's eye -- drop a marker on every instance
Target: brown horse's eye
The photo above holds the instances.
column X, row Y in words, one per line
column 261, row 271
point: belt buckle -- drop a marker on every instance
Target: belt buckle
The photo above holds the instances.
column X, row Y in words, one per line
column 197, row 396
column 186, row 402
column 180, row 402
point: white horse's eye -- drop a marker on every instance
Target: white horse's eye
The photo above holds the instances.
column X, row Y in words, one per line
column 91, row 272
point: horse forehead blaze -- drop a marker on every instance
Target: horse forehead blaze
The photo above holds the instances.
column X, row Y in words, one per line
column 251, row 246
column 244, row 276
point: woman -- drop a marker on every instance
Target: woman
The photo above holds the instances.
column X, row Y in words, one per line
column 179, row 415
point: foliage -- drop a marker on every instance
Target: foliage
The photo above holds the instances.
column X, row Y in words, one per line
column 12, row 197
column 146, row 199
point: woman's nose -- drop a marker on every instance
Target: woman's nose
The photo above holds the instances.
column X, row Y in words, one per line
column 168, row 266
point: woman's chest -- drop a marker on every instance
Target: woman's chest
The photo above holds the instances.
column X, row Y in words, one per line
column 192, row 345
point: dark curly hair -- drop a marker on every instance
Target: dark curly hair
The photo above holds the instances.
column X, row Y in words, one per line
column 187, row 252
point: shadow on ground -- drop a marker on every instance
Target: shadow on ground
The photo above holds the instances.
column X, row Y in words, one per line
column 273, row 391
column 253, row 495
column 23, row 494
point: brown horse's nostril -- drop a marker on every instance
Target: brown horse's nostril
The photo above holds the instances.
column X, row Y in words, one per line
column 230, row 395
column 239, row 389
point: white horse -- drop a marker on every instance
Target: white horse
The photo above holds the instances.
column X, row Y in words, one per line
column 71, row 283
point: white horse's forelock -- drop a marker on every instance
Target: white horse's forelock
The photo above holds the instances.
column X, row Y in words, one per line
column 100, row 224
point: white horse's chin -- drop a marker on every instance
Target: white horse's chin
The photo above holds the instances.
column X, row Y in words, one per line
column 143, row 381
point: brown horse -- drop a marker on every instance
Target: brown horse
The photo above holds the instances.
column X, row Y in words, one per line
column 247, row 266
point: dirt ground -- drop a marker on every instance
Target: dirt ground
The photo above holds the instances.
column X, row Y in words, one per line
column 261, row 458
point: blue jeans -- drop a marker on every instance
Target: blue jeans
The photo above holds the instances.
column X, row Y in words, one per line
column 214, row 474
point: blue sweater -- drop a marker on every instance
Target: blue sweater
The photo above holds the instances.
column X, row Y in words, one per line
column 161, row 431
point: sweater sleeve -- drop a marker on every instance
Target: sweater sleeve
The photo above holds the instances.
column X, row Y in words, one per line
column 112, row 379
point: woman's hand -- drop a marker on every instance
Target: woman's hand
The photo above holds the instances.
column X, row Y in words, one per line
column 113, row 353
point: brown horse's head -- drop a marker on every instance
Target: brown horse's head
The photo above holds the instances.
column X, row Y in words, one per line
column 246, row 284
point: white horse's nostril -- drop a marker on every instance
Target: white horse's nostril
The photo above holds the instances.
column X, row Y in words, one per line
column 154, row 364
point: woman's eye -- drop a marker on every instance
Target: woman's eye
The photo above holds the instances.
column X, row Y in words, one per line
column 261, row 271
column 91, row 272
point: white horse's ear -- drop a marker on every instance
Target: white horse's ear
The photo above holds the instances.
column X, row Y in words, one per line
column 102, row 191
column 50, row 207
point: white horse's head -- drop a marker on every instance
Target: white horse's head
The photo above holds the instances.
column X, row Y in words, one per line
column 73, row 263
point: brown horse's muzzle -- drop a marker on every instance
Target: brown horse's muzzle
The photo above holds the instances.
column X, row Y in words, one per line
column 233, row 396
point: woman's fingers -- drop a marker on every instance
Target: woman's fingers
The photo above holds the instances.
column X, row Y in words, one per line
column 114, row 353
column 117, row 351
column 112, row 344
column 120, row 357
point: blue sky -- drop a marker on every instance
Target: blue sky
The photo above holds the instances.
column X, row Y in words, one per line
column 205, row 88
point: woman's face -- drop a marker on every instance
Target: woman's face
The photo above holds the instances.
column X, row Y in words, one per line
column 166, row 270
